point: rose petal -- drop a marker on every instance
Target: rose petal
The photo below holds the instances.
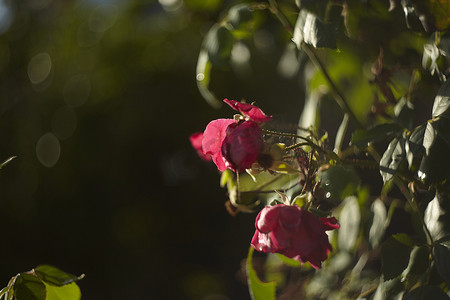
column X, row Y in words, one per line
column 213, row 137
column 196, row 141
column 254, row 113
column 329, row 223
column 242, row 145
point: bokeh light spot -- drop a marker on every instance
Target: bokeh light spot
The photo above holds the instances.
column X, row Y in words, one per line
column 103, row 17
column 48, row 150
column 39, row 68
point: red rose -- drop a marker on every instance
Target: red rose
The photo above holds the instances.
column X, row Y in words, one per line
column 242, row 145
column 293, row 232
column 230, row 143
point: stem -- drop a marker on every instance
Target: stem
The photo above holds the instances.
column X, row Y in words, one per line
column 340, row 100
column 310, row 51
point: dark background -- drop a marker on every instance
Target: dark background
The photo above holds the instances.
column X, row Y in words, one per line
column 97, row 101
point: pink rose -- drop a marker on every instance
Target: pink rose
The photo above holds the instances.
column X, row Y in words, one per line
column 293, row 232
column 242, row 145
column 232, row 144
column 253, row 113
column 213, row 137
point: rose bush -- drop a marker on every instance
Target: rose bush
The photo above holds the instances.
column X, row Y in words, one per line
column 293, row 232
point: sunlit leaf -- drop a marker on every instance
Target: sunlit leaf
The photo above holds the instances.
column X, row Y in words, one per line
column 378, row 226
column 311, row 30
column 349, row 220
column 55, row 276
column 442, row 100
column 203, row 78
column 389, row 289
column 392, row 158
column 258, row 290
column 67, row 292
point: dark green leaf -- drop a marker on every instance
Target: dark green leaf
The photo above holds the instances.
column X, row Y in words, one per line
column 442, row 259
column 29, row 287
column 389, row 290
column 426, row 292
column 218, row 43
column 258, row 290
column 67, row 292
column 239, row 14
column 414, row 147
column 339, row 182
column 311, row 30
column 404, row 239
column 442, row 100
column 349, row 219
column 436, row 147
column 417, row 266
column 392, row 158
column 394, row 258
column 404, row 113
column 362, row 138
column 55, row 276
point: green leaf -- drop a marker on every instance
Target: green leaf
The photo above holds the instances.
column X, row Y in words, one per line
column 218, row 43
column 380, row 132
column 258, row 290
column 29, row 287
column 339, row 181
column 239, row 15
column 442, row 259
column 203, row 77
column 404, row 113
column 394, row 258
column 55, row 276
column 442, row 100
column 426, row 292
column 389, row 290
column 378, row 226
column 67, row 292
column 289, row 261
column 437, row 216
column 311, row 30
column 404, row 239
column 392, row 158
column 349, row 220
column 417, row 266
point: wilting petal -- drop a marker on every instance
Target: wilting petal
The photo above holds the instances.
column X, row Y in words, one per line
column 242, row 145
column 213, row 137
column 252, row 112
column 329, row 223
column 293, row 232
column 196, row 141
